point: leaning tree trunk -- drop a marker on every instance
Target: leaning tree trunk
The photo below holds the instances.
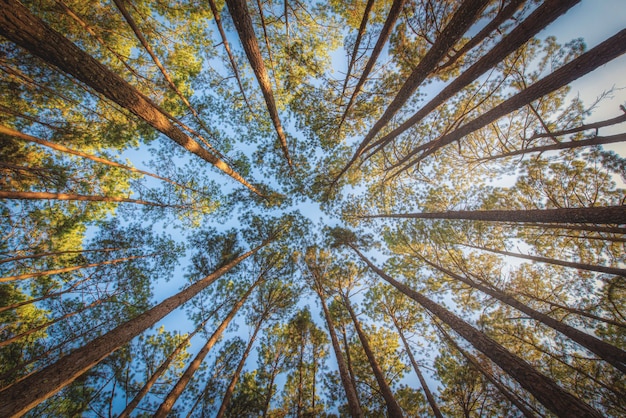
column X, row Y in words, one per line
column 578, row 67
column 553, row 397
column 243, row 23
column 393, row 409
column 418, row 372
column 177, row 390
column 27, row 393
column 602, row 349
column 351, row 396
column 545, row 14
column 605, row 215
column 18, row 25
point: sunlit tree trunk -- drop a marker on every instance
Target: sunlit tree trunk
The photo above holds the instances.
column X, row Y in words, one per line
column 37, row 387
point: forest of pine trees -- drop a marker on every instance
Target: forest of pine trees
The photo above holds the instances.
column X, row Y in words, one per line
column 298, row 208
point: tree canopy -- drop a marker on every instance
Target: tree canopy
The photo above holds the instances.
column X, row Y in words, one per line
column 312, row 209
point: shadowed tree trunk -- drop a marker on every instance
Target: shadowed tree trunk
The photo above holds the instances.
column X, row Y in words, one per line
column 593, row 215
column 393, row 409
column 545, row 14
column 177, row 390
column 541, row 387
column 243, row 23
column 19, row 26
column 57, row 253
column 27, row 393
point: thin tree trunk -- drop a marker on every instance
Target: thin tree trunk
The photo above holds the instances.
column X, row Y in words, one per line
column 394, row 13
column 579, row 266
column 177, row 390
column 590, row 228
column 18, row 25
column 57, row 253
column 57, row 147
column 463, row 18
column 585, row 63
column 553, row 397
column 545, row 14
column 346, row 348
column 355, row 50
column 351, row 396
column 243, row 23
column 37, row 387
column 270, row 387
column 73, row 268
column 416, row 368
column 233, row 381
column 593, row 215
column 393, row 409
column 604, row 350
column 512, row 397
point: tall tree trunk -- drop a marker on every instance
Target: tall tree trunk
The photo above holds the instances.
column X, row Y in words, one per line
column 73, row 268
column 545, row 14
column 578, row 67
column 177, row 390
column 553, row 397
column 393, row 409
column 463, row 18
column 18, row 25
column 604, row 350
column 37, row 387
column 580, row 266
column 346, row 349
column 512, row 397
column 418, row 372
column 390, row 22
column 243, row 23
column 233, row 381
column 351, row 396
column 593, row 215
column 57, row 253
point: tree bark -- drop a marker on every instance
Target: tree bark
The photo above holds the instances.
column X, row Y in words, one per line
column 57, row 253
column 585, row 63
column 594, row 215
column 393, row 409
column 27, row 393
column 545, row 14
column 243, row 23
column 553, row 397
column 177, row 390
column 18, row 25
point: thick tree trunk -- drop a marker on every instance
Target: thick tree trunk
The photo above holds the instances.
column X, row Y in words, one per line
column 418, row 372
column 73, row 268
column 585, row 63
column 233, row 381
column 545, row 14
column 553, row 397
column 579, row 266
column 604, row 350
column 18, row 25
column 393, row 409
column 243, row 23
column 351, row 396
column 25, row 394
column 609, row 215
column 463, row 18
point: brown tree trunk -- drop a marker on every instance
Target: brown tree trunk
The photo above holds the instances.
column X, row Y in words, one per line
column 463, row 18
column 346, row 349
column 177, row 390
column 37, row 387
column 416, row 368
column 393, row 409
column 243, row 23
column 18, row 25
column 545, row 14
column 233, row 381
column 553, row 397
column 57, row 253
column 604, row 350
column 351, row 396
column 593, row 215
column 73, row 268
column 585, row 63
